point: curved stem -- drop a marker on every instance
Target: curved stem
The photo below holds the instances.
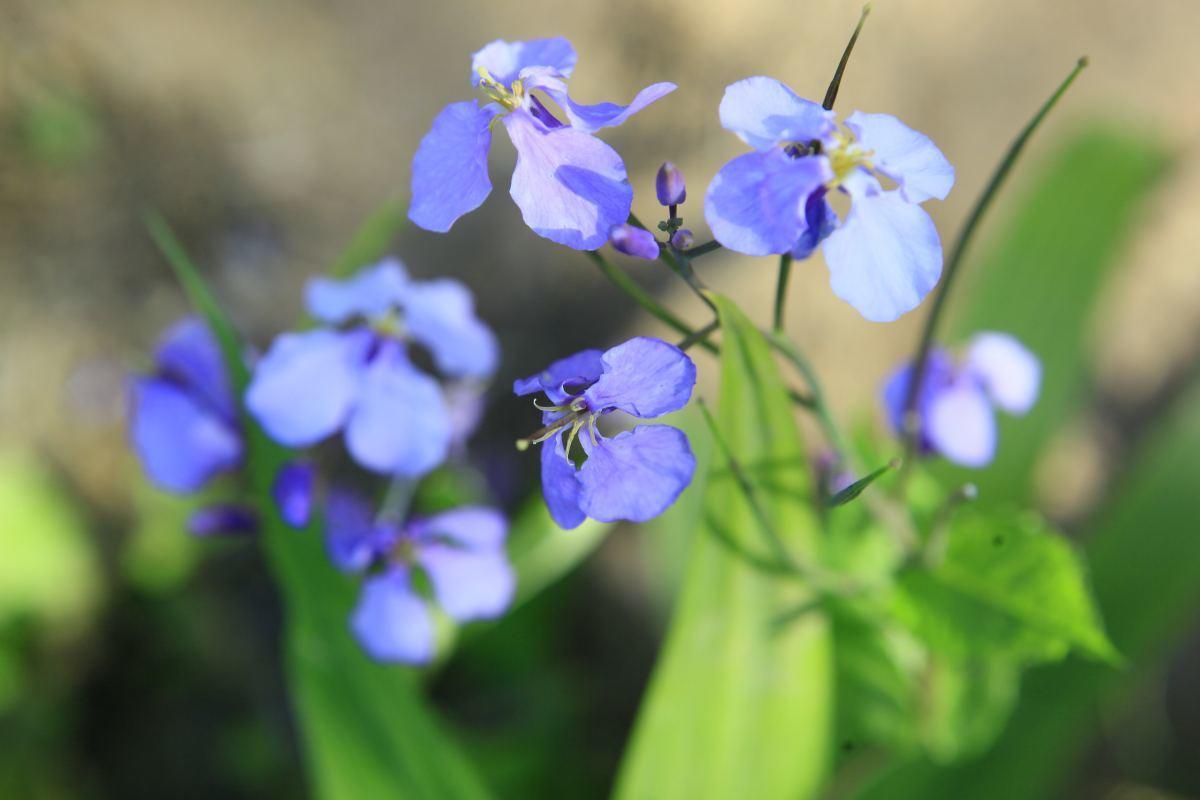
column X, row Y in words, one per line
column 643, row 299
column 785, row 271
column 984, row 202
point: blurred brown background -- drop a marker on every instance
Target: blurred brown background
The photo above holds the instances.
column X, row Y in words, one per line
column 266, row 131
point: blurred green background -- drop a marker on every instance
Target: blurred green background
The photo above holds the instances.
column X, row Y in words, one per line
column 135, row 662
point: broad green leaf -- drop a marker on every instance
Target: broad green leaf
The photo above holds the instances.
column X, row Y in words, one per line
column 1007, row 586
column 365, row 726
column 965, row 704
column 543, row 553
column 877, row 690
column 1040, row 280
column 735, row 708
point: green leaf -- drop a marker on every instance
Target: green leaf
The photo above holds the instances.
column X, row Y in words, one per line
column 966, row 704
column 1007, row 586
column 877, row 690
column 734, row 708
column 543, row 553
column 365, row 725
column 855, row 489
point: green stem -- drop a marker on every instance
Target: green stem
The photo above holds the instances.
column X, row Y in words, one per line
column 643, row 299
column 832, row 92
column 702, row 249
column 785, row 272
column 810, row 573
column 956, row 257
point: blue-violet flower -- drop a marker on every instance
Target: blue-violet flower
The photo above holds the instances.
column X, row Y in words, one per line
column 886, row 255
column 571, row 187
column 360, row 378
column 634, row 475
column 955, row 406
column 461, row 552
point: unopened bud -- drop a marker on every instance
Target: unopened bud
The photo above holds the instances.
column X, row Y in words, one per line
column 223, row 520
column 672, row 190
column 633, row 241
column 682, row 239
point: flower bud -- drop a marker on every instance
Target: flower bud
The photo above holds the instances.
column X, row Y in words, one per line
column 682, row 239
column 633, row 241
column 223, row 520
column 672, row 190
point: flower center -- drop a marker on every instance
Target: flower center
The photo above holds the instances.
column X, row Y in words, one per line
column 844, row 156
column 575, row 415
column 509, row 98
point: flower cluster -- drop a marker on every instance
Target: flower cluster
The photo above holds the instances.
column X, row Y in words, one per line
column 955, row 406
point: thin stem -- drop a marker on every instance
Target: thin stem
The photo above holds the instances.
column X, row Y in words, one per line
column 702, row 249
column 832, row 92
column 700, row 336
column 785, row 271
column 817, row 395
column 956, row 256
column 643, row 299
column 683, row 268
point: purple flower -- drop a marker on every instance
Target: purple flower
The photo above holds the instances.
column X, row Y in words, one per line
column 634, row 241
column 571, row 187
column 886, row 255
column 223, row 520
column 183, row 419
column 634, row 475
column 460, row 552
column 957, row 401
column 360, row 379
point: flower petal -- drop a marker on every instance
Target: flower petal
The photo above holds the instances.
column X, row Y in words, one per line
column 604, row 115
column 570, row 186
column 908, row 157
column 755, row 203
column 370, row 292
column 505, row 60
column 820, row 220
column 292, row 491
column 469, row 585
column 440, row 314
column 450, row 169
column 391, row 622
column 352, row 539
column 763, row 112
column 560, row 485
column 468, row 527
column 1010, row 373
column 583, row 368
column 636, row 475
column 189, row 355
column 939, row 372
column 181, row 442
column 644, row 377
column 962, row 425
column 305, row 385
column 400, row 424
column 885, row 257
